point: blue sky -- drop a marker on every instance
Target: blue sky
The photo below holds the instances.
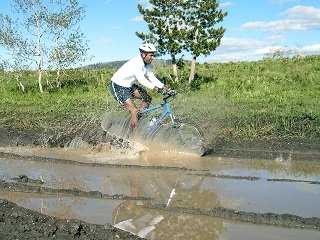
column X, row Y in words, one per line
column 253, row 28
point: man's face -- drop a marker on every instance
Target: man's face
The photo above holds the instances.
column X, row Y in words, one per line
column 148, row 58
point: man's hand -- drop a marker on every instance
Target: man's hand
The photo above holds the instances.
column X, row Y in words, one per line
column 156, row 89
column 167, row 91
column 172, row 92
column 162, row 91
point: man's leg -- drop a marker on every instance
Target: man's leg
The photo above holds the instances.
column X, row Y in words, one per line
column 123, row 95
column 131, row 107
column 144, row 96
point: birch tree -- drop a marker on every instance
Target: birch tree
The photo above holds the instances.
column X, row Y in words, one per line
column 12, row 44
column 69, row 43
column 34, row 14
column 45, row 32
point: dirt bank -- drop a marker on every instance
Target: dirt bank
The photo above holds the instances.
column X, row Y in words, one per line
column 20, row 223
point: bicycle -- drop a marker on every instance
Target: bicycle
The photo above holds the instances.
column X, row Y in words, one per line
column 162, row 130
column 155, row 123
column 169, row 133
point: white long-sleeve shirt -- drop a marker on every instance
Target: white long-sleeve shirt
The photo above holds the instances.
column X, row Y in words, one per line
column 136, row 70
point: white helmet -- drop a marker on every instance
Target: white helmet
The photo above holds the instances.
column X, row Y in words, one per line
column 147, row 48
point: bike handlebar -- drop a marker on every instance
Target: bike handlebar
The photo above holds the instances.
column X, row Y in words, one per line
column 169, row 93
column 165, row 91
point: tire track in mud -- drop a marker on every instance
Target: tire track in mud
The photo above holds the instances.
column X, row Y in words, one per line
column 274, row 219
column 253, row 178
column 291, row 180
column 30, row 188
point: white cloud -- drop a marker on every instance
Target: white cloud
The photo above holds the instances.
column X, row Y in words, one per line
column 239, row 44
column 225, row 4
column 311, row 49
column 305, row 50
column 145, row 4
column 137, row 19
column 235, row 57
column 236, row 49
column 299, row 18
column 269, row 49
column 143, row 1
column 233, row 49
column 303, row 13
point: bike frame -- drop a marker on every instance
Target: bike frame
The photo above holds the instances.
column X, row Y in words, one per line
column 166, row 111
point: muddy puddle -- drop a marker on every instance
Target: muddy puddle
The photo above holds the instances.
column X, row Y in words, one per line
column 167, row 195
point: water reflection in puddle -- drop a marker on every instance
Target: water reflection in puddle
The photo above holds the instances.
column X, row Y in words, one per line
column 151, row 224
column 95, row 211
column 183, row 181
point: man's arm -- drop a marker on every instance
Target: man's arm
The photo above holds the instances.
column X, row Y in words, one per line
column 143, row 80
column 155, row 80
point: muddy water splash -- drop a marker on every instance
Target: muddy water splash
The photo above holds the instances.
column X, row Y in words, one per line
column 180, row 138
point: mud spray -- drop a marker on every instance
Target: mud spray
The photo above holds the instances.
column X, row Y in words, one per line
column 175, row 139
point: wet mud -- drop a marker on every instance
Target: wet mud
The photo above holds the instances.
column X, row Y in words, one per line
column 20, row 223
column 107, row 188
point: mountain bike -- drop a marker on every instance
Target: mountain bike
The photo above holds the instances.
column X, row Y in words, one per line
column 155, row 122
column 157, row 126
column 164, row 129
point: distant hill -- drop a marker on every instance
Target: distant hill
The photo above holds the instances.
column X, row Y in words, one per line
column 115, row 64
column 118, row 64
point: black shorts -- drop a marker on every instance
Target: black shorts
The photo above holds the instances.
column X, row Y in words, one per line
column 122, row 94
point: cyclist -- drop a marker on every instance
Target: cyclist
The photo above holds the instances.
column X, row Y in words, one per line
column 138, row 69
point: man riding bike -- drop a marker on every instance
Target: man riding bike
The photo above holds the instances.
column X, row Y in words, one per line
column 124, row 89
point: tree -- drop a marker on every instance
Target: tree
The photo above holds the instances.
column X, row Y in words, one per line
column 35, row 14
column 183, row 25
column 164, row 20
column 12, row 44
column 202, row 38
column 69, row 45
column 46, row 29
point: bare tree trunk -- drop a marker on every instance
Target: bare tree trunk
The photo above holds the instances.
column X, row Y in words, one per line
column 193, row 68
column 175, row 73
column 58, row 84
column 40, row 55
column 20, row 83
column 58, row 59
column 174, row 68
column 40, row 80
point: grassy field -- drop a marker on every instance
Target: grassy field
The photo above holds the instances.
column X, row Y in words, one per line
column 267, row 99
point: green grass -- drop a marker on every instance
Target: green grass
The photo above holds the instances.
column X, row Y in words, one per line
column 267, row 99
column 264, row 99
